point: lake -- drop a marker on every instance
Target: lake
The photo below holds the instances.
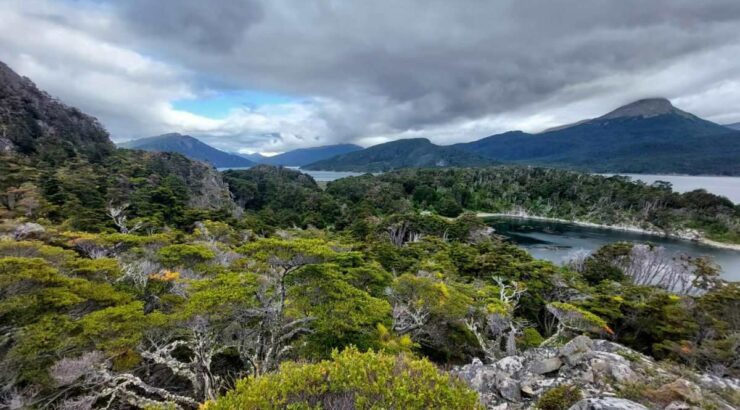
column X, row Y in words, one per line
column 726, row 186
column 318, row 176
column 558, row 242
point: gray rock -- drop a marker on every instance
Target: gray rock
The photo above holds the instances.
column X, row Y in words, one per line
column 574, row 351
column 509, row 389
column 614, row 365
column 546, row 365
column 511, row 365
column 677, row 405
column 607, row 403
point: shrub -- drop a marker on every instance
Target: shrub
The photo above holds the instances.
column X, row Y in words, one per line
column 351, row 380
column 185, row 254
column 559, row 398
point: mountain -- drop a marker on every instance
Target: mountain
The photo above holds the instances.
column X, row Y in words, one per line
column 191, row 148
column 408, row 153
column 60, row 165
column 35, row 125
column 305, row 156
column 256, row 157
column 735, row 126
column 647, row 136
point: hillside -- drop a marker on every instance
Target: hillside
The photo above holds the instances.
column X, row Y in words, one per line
column 735, row 126
column 35, row 125
column 59, row 164
column 647, row 136
column 190, row 147
column 408, row 153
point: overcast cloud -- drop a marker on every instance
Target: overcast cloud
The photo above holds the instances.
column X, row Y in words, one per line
column 372, row 71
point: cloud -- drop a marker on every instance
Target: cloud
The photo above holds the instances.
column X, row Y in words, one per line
column 369, row 72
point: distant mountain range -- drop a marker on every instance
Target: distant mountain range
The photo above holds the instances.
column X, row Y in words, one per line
column 647, row 136
column 407, row 153
column 191, row 148
column 303, row 156
column 735, row 126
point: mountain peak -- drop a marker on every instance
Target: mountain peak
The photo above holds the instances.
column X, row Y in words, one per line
column 646, row 108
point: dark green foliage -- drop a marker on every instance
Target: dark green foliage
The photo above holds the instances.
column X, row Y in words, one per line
column 292, row 198
column 600, row 266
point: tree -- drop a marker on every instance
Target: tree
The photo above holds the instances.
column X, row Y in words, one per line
column 572, row 318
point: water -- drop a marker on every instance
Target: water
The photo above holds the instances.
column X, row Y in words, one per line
column 326, row 176
column 318, row 176
column 726, row 186
column 558, row 242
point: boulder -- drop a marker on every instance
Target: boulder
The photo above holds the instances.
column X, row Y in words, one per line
column 607, row 403
column 546, row 365
column 509, row 389
column 574, row 351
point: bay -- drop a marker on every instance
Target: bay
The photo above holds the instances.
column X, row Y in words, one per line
column 558, row 242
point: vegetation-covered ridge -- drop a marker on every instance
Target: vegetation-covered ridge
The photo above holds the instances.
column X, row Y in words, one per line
column 295, row 199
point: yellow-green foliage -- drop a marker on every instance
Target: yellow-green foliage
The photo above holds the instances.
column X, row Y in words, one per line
column 559, row 398
column 576, row 317
column 185, row 254
column 352, row 380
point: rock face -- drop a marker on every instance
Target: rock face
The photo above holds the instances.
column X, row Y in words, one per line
column 603, row 371
column 32, row 123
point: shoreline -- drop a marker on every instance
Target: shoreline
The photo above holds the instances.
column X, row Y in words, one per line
column 624, row 228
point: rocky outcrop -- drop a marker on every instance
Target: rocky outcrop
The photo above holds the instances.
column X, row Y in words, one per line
column 610, row 377
column 34, row 124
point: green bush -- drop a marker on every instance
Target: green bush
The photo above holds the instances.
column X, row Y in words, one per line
column 559, row 398
column 185, row 254
column 351, row 380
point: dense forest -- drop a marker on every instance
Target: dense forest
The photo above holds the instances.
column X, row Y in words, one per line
column 147, row 280
column 156, row 302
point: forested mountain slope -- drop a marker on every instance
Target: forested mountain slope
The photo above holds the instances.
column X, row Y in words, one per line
column 60, row 164
column 408, row 153
column 647, row 136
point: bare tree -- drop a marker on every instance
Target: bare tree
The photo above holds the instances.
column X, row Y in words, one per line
column 120, row 219
column 571, row 318
column 499, row 325
column 202, row 345
column 92, row 374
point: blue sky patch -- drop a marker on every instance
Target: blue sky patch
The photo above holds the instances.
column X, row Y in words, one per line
column 219, row 105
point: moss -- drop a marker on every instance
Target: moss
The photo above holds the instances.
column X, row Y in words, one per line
column 559, row 398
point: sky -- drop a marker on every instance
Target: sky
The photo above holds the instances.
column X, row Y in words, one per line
column 275, row 75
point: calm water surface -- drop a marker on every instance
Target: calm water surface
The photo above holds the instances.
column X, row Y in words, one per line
column 318, row 176
column 558, row 242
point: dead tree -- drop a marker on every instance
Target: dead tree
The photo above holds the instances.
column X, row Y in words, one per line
column 101, row 387
column 120, row 219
